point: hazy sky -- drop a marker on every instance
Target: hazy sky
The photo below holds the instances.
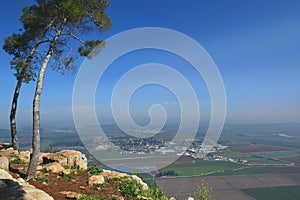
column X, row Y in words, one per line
column 254, row 43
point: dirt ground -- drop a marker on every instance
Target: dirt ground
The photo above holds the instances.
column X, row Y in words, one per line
column 58, row 185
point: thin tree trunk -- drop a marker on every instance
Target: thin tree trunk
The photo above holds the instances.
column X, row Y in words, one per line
column 13, row 111
column 12, row 117
column 31, row 171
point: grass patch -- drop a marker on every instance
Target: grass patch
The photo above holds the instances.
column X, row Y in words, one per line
column 45, row 170
column 92, row 197
column 199, row 167
column 67, row 176
column 243, row 171
column 275, row 193
column 95, row 170
column 17, row 160
column 43, row 180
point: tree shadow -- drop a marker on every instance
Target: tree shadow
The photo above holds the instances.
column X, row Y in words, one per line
column 11, row 190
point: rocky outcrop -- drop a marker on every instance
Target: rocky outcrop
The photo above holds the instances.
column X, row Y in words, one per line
column 107, row 174
column 140, row 181
column 96, row 179
column 67, row 157
column 4, row 163
column 54, row 167
column 25, row 156
column 19, row 189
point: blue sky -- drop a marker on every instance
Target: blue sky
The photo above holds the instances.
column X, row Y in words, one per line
column 255, row 44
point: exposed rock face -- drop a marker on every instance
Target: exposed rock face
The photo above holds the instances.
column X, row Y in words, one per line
column 96, row 179
column 107, row 174
column 140, row 181
column 71, row 195
column 54, row 167
column 25, row 156
column 19, row 189
column 9, row 153
column 67, row 157
column 4, row 163
column 4, row 174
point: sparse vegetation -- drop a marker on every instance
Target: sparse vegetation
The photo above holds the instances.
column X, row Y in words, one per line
column 67, row 176
column 43, row 180
column 95, row 170
column 45, row 170
column 16, row 159
column 92, row 197
column 203, row 192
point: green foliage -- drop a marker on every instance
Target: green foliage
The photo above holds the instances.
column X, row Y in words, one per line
column 45, row 170
column 67, row 176
column 133, row 190
column 101, row 185
column 95, row 170
column 203, row 192
column 67, row 167
column 43, row 179
column 92, row 197
column 16, row 159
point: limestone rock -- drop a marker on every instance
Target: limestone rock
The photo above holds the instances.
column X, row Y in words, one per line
column 107, row 174
column 55, row 167
column 9, row 153
column 96, row 179
column 41, row 157
column 140, row 181
column 67, row 157
column 25, row 156
column 4, row 163
column 71, row 195
column 4, row 174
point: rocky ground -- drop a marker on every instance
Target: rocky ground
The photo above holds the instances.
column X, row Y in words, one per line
column 64, row 175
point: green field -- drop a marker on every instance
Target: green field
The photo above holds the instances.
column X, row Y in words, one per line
column 268, row 158
column 243, row 171
column 275, row 193
column 199, row 167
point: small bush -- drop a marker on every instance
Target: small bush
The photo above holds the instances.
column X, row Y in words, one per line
column 203, row 192
column 45, row 170
column 17, row 160
column 43, row 180
column 95, row 170
column 67, row 167
column 92, row 197
column 67, row 176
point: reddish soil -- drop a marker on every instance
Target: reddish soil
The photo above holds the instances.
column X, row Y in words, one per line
column 257, row 148
column 76, row 184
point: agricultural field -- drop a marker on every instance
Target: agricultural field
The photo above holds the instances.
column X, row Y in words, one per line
column 274, row 193
column 200, row 167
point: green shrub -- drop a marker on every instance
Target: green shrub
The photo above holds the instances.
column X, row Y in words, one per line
column 43, row 179
column 95, row 170
column 67, row 167
column 17, row 160
column 203, row 192
column 45, row 170
column 92, row 197
column 67, row 176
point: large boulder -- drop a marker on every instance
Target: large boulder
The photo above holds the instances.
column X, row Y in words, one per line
column 107, row 174
column 140, row 181
column 4, row 174
column 54, row 167
column 4, row 163
column 96, row 179
column 67, row 157
column 25, row 156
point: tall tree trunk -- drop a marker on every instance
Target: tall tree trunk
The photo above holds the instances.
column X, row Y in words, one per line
column 12, row 117
column 13, row 111
column 31, row 171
